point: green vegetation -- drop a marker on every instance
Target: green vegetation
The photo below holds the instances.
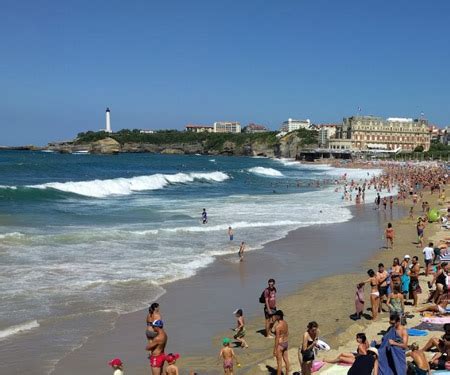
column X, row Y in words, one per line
column 211, row 140
column 309, row 137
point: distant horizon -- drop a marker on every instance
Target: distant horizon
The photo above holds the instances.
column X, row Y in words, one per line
column 164, row 65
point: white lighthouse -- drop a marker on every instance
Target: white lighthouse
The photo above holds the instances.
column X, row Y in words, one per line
column 108, row 121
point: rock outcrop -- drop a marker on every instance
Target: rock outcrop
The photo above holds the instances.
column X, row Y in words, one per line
column 105, row 146
column 286, row 147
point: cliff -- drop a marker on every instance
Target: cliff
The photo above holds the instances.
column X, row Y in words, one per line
column 261, row 144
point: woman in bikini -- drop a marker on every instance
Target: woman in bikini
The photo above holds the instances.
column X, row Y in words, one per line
column 374, row 293
column 306, row 352
column 389, row 233
column 349, row 358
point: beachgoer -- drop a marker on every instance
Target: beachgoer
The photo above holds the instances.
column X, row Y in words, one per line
column 306, row 352
column 270, row 305
column 359, row 302
column 377, row 201
column 420, row 227
column 241, row 251
column 428, row 253
column 153, row 314
column 227, row 356
column 172, row 368
column 363, row 345
column 374, row 293
column 442, row 343
column 420, row 363
column 439, row 308
column 156, row 347
column 396, row 302
column 204, row 217
column 414, row 285
column 281, row 345
column 389, row 233
column 117, row 366
column 406, row 275
column 383, row 286
column 396, row 273
column 240, row 328
column 230, row 233
column 391, row 353
column 391, row 202
column 365, row 364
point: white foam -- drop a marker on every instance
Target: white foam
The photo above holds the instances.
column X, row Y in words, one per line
column 11, row 235
column 266, row 171
column 13, row 330
column 126, row 186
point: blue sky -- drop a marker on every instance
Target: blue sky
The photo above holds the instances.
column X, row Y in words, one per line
column 164, row 64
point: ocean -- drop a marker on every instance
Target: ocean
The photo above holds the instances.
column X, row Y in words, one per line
column 85, row 238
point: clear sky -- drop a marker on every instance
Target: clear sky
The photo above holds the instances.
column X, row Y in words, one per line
column 164, row 64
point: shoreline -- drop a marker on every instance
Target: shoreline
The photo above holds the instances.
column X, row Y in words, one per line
column 253, row 273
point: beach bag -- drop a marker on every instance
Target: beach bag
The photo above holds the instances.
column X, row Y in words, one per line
column 262, row 297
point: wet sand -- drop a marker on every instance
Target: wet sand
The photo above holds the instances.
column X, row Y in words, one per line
column 198, row 311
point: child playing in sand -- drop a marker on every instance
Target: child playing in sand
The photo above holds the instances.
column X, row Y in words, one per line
column 171, row 359
column 117, row 366
column 240, row 328
column 227, row 355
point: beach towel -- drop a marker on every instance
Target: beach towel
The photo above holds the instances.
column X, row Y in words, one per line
column 405, row 283
column 335, row 370
column 416, row 332
column 429, row 327
column 437, row 320
column 391, row 359
column 359, row 299
column 317, row 365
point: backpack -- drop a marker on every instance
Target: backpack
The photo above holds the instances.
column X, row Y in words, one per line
column 262, row 297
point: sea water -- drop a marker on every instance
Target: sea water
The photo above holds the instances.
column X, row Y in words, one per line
column 91, row 236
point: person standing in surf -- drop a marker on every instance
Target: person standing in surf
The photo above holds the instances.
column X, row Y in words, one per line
column 241, row 251
column 230, row 233
column 204, row 216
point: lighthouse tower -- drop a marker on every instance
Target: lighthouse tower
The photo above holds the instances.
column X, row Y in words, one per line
column 108, row 121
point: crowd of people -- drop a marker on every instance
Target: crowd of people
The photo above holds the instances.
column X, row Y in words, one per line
column 391, row 287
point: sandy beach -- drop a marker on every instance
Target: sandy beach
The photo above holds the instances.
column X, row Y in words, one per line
column 301, row 263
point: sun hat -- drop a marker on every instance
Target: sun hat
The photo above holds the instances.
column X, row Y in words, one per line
column 406, row 257
column 158, row 324
column 373, row 350
column 115, row 362
column 226, row 340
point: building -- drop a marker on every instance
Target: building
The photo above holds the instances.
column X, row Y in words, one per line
column 255, row 128
column 325, row 132
column 290, row 125
column 108, row 121
column 146, row 131
column 363, row 133
column 226, row 127
column 199, row 128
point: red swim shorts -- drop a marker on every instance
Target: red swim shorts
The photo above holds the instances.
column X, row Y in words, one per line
column 157, row 361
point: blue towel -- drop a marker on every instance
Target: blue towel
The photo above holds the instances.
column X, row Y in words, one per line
column 416, row 332
column 391, row 359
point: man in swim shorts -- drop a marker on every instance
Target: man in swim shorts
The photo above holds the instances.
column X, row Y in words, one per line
column 383, row 287
column 156, row 348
